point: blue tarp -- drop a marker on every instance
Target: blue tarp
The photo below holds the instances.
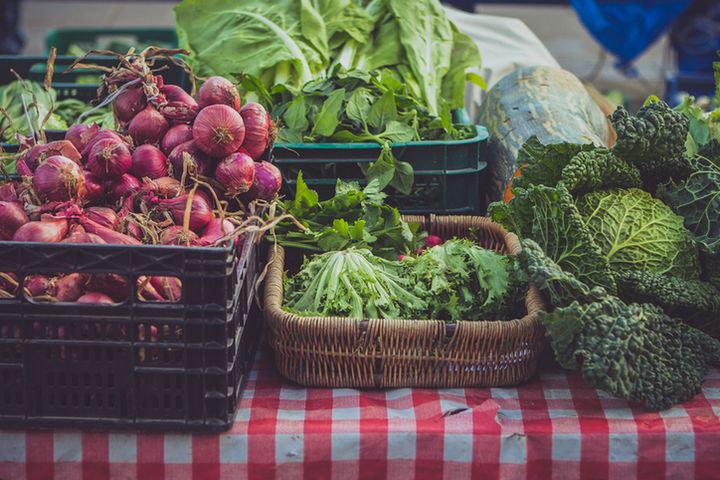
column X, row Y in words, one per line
column 627, row 27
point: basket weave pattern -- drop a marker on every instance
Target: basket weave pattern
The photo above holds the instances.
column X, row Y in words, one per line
column 382, row 353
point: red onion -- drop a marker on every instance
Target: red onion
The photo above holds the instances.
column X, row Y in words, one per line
column 149, row 161
column 134, row 231
column 176, row 235
column 79, row 135
column 103, row 216
column 94, row 189
column 180, row 106
column 49, row 229
column 39, row 153
column 148, row 126
column 268, row 181
column 173, row 93
column 257, row 129
column 12, row 217
column 218, row 130
column 79, row 235
column 236, row 173
column 201, row 164
column 9, row 282
column 58, row 179
column 163, row 187
column 107, row 234
column 100, row 135
column 131, row 101
column 168, row 287
column 8, row 192
column 146, row 292
column 95, row 297
column 200, row 210
column 109, row 158
column 123, row 187
column 153, row 331
column 217, row 90
column 177, row 134
column 215, row 230
column 23, row 169
column 37, row 285
column 115, row 286
column 70, row 287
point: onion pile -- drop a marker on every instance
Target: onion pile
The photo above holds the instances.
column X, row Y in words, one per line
column 99, row 186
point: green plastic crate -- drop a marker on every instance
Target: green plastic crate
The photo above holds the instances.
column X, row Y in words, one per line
column 448, row 174
column 89, row 38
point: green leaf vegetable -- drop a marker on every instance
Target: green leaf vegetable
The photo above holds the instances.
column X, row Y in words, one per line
column 290, row 42
column 354, row 217
column 633, row 351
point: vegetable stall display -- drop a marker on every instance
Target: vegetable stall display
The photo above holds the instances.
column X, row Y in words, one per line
column 630, row 245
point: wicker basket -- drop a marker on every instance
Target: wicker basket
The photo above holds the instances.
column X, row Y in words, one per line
column 344, row 352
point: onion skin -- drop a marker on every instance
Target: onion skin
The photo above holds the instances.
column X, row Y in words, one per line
column 218, row 91
column 37, row 285
column 218, row 130
column 115, row 286
column 176, row 235
column 177, row 134
column 12, row 217
column 94, row 189
column 169, row 287
column 123, row 187
column 59, row 179
column 149, row 161
column 201, row 163
column 148, row 126
column 129, row 103
column 39, row 153
column 103, row 216
column 200, row 210
column 163, row 187
column 109, row 159
column 215, row 230
column 95, row 297
column 102, row 134
column 82, row 237
column 257, row 129
column 23, row 169
column 8, row 192
column 236, row 173
column 266, row 186
column 79, row 135
column 70, row 287
column 109, row 235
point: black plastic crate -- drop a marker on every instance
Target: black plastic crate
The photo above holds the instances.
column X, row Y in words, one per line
column 91, row 366
column 448, row 174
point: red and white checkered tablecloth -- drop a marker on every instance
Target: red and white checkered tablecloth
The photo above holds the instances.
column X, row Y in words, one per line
column 554, row 426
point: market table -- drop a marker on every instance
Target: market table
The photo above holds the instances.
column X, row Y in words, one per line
column 555, row 426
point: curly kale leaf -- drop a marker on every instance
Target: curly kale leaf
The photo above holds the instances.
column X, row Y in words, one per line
column 695, row 302
column 653, row 140
column 543, row 164
column 599, row 169
column 697, row 200
column 635, row 231
column 633, row 351
column 549, row 216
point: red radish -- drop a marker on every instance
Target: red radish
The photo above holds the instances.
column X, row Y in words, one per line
column 149, row 161
column 433, row 241
column 103, row 216
column 12, row 217
column 115, row 286
column 95, row 297
column 123, row 187
column 215, row 230
column 94, row 189
column 37, row 285
column 107, row 234
column 129, row 103
column 58, row 179
column 218, row 130
column 257, row 129
column 70, row 287
column 8, row 192
column 176, row 235
column 218, row 90
column 102, row 134
column 236, row 173
column 109, row 158
column 177, row 134
column 79, row 135
column 266, row 186
column 148, row 126
column 168, row 287
column 200, row 163
column 200, row 210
